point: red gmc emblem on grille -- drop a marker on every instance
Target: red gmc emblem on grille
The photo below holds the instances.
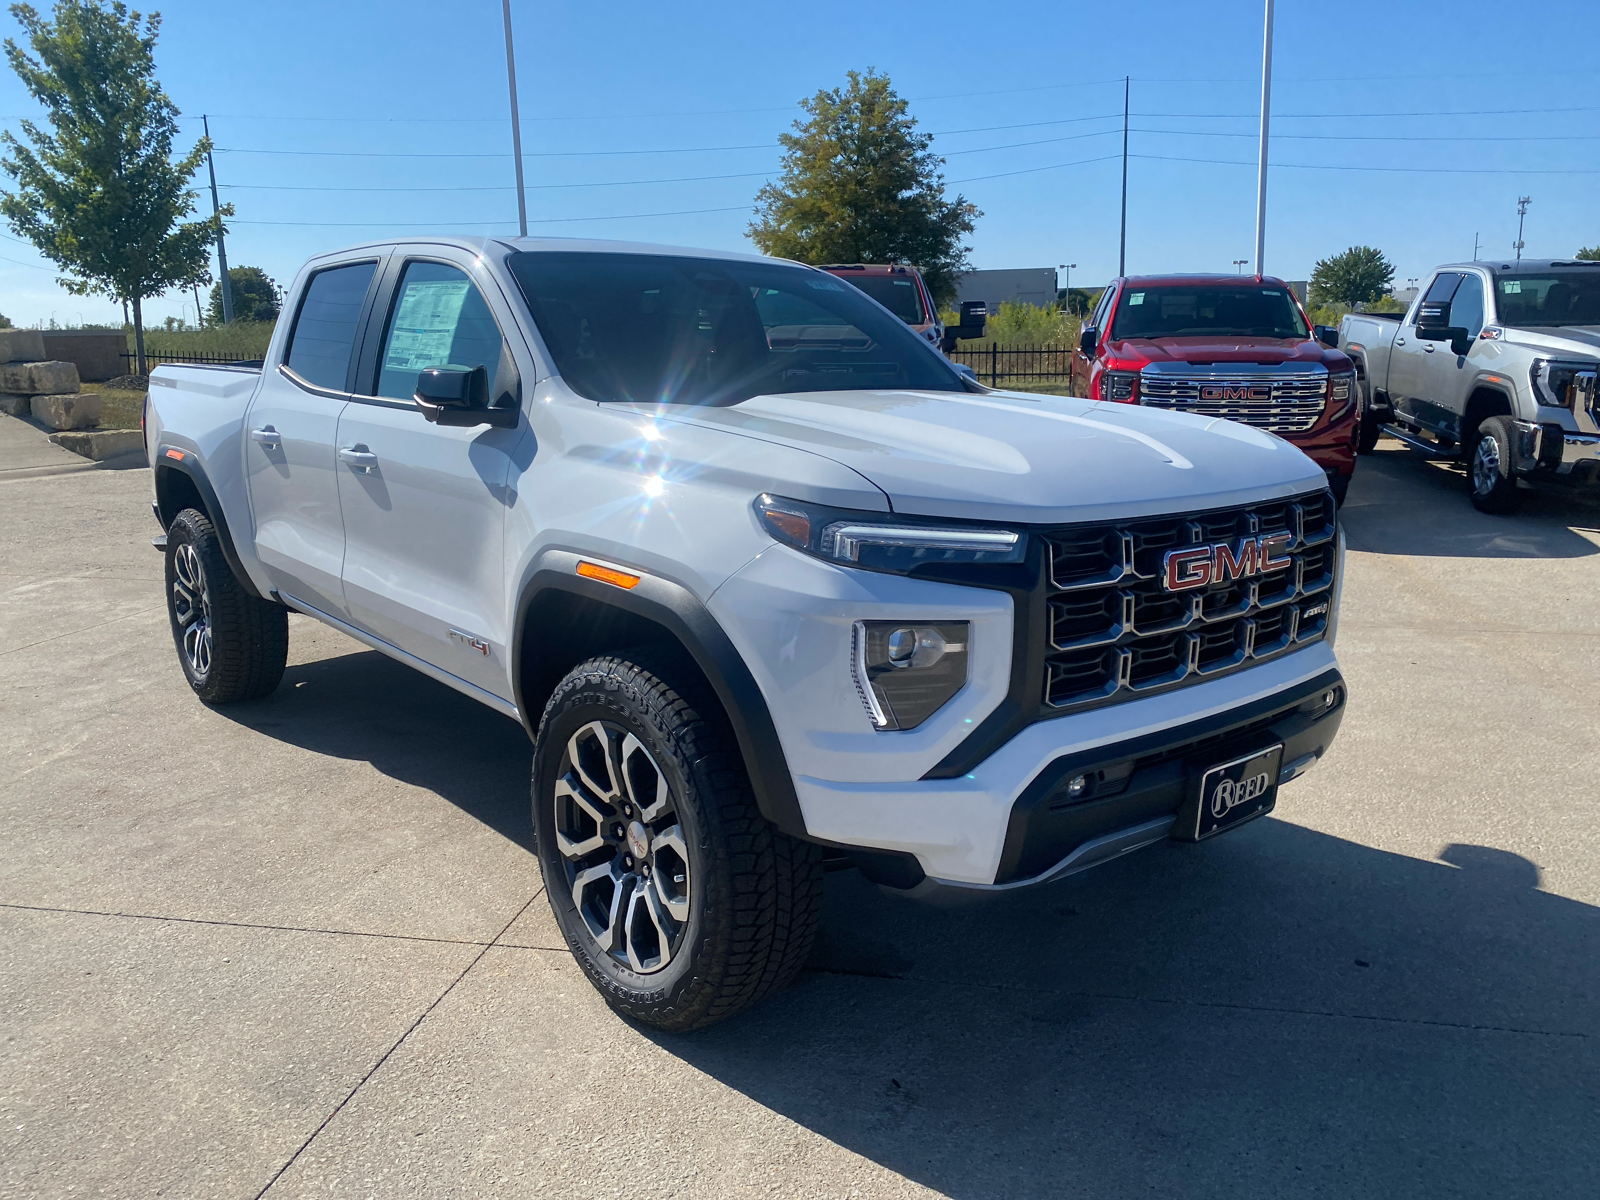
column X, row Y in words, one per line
column 1236, row 392
column 1200, row 566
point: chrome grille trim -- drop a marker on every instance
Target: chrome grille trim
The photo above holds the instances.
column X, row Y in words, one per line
column 1297, row 399
column 1115, row 633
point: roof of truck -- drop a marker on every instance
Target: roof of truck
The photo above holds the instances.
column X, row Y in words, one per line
column 1177, row 280
column 1515, row 264
column 586, row 245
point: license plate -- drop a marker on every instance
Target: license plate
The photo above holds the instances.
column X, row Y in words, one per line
column 1232, row 793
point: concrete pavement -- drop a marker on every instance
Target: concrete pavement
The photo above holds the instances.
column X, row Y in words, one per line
column 297, row 947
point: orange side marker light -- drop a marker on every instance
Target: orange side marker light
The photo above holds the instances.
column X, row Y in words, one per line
column 611, row 575
column 177, row 454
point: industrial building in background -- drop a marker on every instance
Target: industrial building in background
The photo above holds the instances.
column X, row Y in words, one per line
column 1024, row 285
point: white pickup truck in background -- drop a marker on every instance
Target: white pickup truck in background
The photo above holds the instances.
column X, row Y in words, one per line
column 765, row 579
column 1493, row 364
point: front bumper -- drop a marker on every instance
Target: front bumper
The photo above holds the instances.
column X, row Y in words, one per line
column 1547, row 452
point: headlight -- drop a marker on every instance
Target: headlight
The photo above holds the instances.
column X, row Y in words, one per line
column 1119, row 386
column 1553, row 381
column 1341, row 388
column 905, row 672
column 882, row 541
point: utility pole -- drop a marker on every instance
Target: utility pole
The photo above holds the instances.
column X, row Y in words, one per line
column 1067, row 267
column 1122, row 241
column 516, row 122
column 216, row 211
column 1522, row 211
column 1266, row 119
column 1474, row 247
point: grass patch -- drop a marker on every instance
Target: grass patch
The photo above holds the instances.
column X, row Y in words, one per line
column 118, row 410
column 242, row 340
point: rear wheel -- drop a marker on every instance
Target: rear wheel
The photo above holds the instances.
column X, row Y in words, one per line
column 231, row 645
column 1340, row 486
column 1368, row 432
column 680, row 901
column 1493, row 487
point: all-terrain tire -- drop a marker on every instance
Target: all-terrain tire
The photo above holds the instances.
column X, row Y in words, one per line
column 1339, row 485
column 753, row 894
column 231, row 645
column 1490, row 482
column 1370, row 428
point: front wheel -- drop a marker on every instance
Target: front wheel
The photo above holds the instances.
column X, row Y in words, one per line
column 231, row 645
column 1493, row 487
column 680, row 901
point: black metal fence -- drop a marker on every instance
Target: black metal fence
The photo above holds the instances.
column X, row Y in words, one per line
column 154, row 359
column 996, row 364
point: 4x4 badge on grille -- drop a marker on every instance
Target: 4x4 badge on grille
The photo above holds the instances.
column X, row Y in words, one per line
column 1219, row 562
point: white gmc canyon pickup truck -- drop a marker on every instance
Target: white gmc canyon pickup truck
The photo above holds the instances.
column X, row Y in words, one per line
column 769, row 584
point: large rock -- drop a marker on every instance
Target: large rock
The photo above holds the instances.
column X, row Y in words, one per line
column 101, row 444
column 21, row 345
column 15, row 406
column 79, row 410
column 39, row 378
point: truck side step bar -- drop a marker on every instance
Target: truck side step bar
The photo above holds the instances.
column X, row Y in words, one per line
column 1430, row 449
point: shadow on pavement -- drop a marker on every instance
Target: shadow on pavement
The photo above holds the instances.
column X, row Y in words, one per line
column 1274, row 1013
column 1402, row 504
column 366, row 706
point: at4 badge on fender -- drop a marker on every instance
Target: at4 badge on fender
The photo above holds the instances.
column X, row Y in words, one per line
column 1222, row 562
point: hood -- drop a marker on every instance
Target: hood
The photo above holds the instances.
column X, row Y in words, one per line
column 1016, row 456
column 1212, row 349
column 1580, row 340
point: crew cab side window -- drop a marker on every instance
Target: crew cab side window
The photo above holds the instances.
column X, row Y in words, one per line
column 439, row 318
column 1466, row 308
column 325, row 326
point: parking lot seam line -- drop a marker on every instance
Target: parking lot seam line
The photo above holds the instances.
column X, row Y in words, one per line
column 86, row 629
column 422, row 1016
column 1253, row 1008
column 92, row 912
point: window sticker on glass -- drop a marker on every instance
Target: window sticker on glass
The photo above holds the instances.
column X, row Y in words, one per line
column 1512, row 287
column 826, row 285
column 1135, row 297
column 425, row 325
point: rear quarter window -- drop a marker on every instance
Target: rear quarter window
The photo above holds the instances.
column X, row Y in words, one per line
column 325, row 326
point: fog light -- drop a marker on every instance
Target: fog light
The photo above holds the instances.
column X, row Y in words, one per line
column 1077, row 786
column 905, row 673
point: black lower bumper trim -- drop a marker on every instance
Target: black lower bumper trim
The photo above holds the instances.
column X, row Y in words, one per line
column 1133, row 782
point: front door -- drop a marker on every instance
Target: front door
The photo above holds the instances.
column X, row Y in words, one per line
column 425, row 505
column 1414, row 378
column 290, row 431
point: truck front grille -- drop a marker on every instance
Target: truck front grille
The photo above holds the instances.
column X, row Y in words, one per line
column 1115, row 632
column 1279, row 404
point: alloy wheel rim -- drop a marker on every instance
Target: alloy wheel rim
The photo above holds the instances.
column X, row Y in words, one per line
column 1485, row 465
column 623, row 847
column 191, row 605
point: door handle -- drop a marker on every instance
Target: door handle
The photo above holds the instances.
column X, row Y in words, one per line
column 1399, row 341
column 359, row 457
column 267, row 436
column 1427, row 348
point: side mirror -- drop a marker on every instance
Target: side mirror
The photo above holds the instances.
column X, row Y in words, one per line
column 1433, row 321
column 974, row 320
column 459, row 397
column 1089, row 341
column 1327, row 335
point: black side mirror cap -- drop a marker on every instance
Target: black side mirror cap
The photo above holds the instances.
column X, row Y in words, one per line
column 1089, row 340
column 1327, row 335
column 1433, row 321
column 459, row 397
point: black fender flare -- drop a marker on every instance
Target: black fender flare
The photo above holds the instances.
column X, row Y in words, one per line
column 189, row 466
column 681, row 614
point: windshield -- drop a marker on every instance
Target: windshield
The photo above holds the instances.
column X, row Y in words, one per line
column 898, row 293
column 660, row 329
column 1553, row 298
column 1201, row 311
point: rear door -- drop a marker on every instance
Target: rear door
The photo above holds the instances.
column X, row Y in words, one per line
column 1413, row 380
column 290, row 461
column 425, row 505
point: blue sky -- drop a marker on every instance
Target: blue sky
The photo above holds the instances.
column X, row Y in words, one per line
column 344, row 122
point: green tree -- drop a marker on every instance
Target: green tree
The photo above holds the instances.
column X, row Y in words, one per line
column 101, row 196
column 256, row 296
column 1358, row 275
column 5, row 321
column 860, row 184
column 1588, row 254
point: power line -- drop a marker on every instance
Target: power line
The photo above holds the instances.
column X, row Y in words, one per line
column 280, row 187
column 1357, row 137
column 1229, row 162
column 1034, row 170
column 687, row 212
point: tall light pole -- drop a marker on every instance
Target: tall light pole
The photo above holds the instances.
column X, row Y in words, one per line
column 216, row 211
column 1122, row 241
column 1067, row 267
column 1474, row 247
column 1522, row 211
column 516, row 122
column 1241, row 263
column 1266, row 120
